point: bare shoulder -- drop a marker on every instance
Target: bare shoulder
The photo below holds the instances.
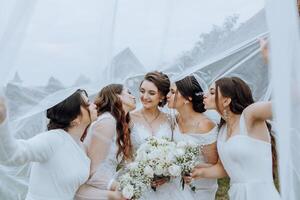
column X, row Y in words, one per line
column 206, row 125
column 135, row 114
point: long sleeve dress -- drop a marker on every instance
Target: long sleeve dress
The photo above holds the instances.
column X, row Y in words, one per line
column 102, row 149
column 59, row 164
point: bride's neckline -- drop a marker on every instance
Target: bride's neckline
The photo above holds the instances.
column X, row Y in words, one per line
column 152, row 133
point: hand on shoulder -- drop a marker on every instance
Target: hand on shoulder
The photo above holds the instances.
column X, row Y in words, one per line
column 3, row 113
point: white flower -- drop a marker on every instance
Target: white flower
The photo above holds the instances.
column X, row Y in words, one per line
column 133, row 165
column 179, row 152
column 128, row 191
column 170, row 157
column 141, row 156
column 148, row 171
column 154, row 154
column 175, row 170
column 159, row 170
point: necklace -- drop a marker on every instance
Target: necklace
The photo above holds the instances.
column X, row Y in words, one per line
column 150, row 122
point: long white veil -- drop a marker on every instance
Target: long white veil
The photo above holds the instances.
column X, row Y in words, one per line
column 285, row 62
column 50, row 48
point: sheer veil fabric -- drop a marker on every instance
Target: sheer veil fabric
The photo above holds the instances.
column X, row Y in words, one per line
column 48, row 49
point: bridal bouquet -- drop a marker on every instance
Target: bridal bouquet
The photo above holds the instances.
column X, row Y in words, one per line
column 187, row 154
column 135, row 181
column 154, row 160
column 157, row 158
column 159, row 154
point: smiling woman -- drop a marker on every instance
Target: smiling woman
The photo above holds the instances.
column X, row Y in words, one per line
column 77, row 42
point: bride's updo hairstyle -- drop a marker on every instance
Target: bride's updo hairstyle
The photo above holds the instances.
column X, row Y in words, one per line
column 162, row 82
column 190, row 89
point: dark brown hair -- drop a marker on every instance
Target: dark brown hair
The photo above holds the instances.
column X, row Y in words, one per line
column 189, row 87
column 161, row 81
column 62, row 114
column 241, row 97
column 236, row 89
column 108, row 101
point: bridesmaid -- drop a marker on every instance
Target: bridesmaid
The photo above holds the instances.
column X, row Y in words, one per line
column 59, row 163
column 186, row 96
column 108, row 143
column 244, row 141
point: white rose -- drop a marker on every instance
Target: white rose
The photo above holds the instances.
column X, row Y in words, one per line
column 154, row 154
column 133, row 165
column 179, row 152
column 170, row 157
column 175, row 170
column 148, row 171
column 141, row 156
column 127, row 191
column 159, row 170
column 181, row 144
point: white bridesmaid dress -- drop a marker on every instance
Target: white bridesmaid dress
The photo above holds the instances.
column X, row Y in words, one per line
column 59, row 164
column 205, row 189
column 248, row 162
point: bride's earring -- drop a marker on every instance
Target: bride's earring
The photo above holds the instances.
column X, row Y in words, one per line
column 186, row 102
column 225, row 114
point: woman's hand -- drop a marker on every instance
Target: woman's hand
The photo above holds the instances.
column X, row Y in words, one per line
column 159, row 182
column 116, row 195
column 197, row 172
column 264, row 50
column 114, row 186
column 2, row 110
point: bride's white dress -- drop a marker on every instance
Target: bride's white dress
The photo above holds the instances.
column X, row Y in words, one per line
column 205, row 188
column 168, row 191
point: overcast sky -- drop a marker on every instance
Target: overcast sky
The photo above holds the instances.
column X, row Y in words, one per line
column 65, row 38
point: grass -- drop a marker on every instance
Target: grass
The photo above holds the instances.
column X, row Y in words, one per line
column 222, row 193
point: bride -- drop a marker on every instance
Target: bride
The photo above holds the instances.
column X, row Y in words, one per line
column 150, row 121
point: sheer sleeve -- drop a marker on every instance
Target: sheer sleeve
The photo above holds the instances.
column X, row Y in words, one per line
column 18, row 152
column 100, row 144
column 101, row 138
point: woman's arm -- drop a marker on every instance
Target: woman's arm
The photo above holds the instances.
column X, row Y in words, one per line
column 213, row 172
column 18, row 152
column 210, row 153
column 88, row 192
column 260, row 111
